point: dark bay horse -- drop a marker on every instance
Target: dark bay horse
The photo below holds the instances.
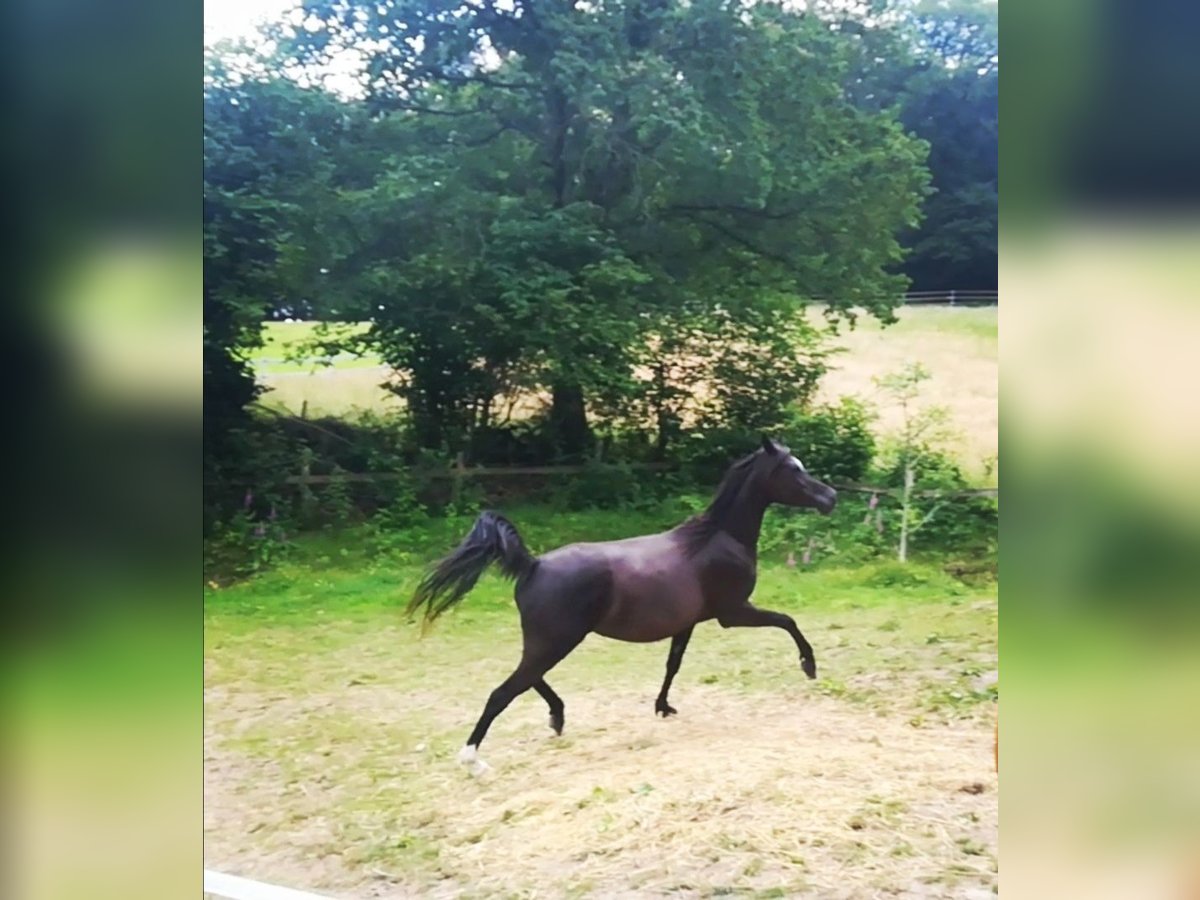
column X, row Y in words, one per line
column 640, row 589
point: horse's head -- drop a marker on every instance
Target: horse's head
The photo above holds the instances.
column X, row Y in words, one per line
column 788, row 482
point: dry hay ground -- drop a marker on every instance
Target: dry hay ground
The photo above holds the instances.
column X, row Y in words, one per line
column 329, row 760
column 958, row 345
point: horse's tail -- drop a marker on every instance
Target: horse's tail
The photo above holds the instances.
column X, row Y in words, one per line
column 493, row 539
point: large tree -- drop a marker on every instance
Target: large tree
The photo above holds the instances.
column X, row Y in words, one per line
column 952, row 100
column 565, row 178
column 269, row 147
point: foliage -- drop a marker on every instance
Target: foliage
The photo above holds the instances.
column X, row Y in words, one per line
column 267, row 149
column 559, row 186
column 965, row 524
column 920, row 428
column 618, row 208
column 952, row 101
column 249, row 542
column 730, row 371
column 616, row 486
column 834, row 441
column 256, row 457
column 916, row 461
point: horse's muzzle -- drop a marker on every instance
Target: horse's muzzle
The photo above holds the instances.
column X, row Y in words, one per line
column 828, row 502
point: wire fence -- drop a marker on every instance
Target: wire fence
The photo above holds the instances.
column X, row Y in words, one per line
column 460, row 472
column 953, row 298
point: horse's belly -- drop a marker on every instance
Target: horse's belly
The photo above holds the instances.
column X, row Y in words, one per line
column 644, row 612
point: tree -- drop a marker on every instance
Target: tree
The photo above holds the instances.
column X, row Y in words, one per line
column 921, row 428
column 269, row 192
column 565, row 182
column 952, row 101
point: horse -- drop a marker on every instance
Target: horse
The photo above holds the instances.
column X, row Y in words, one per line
column 640, row 589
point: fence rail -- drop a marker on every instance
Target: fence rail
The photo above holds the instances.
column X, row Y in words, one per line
column 952, row 298
column 463, row 472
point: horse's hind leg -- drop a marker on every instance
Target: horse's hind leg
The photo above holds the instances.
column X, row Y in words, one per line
column 512, row 687
column 674, row 658
column 539, row 658
column 555, row 703
column 748, row 616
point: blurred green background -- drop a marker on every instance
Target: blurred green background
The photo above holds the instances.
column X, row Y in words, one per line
column 1101, row 788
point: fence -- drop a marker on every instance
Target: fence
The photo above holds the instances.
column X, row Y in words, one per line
column 953, row 298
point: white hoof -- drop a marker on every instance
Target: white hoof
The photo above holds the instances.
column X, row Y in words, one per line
column 469, row 756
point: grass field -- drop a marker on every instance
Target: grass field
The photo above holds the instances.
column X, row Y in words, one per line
column 331, row 727
column 957, row 344
column 331, row 730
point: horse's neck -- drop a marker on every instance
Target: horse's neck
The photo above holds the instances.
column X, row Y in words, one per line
column 744, row 522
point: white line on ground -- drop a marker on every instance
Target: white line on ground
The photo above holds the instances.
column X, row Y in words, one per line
column 234, row 887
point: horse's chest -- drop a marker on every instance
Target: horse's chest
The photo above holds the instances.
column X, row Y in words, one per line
column 728, row 580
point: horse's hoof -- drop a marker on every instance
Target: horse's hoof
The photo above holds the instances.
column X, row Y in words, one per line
column 810, row 667
column 664, row 709
column 556, row 722
column 469, row 757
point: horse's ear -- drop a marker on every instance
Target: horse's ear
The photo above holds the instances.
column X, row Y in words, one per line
column 768, row 445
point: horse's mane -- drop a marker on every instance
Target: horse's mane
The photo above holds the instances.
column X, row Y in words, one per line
column 697, row 530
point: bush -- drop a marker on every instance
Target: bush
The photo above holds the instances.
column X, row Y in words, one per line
column 968, row 525
column 834, row 441
column 247, row 542
column 615, row 486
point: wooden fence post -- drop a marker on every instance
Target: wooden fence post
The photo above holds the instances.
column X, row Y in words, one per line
column 457, row 479
column 302, row 484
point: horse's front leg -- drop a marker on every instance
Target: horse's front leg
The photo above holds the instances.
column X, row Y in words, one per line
column 749, row 616
column 674, row 658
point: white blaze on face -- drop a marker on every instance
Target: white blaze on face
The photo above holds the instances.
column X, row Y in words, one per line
column 799, row 465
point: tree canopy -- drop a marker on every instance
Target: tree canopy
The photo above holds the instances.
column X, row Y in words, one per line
column 619, row 205
column 951, row 99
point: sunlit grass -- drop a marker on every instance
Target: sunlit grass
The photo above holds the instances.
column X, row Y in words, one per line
column 331, row 728
column 958, row 345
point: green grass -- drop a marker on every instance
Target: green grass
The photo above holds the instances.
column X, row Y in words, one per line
column 331, row 728
column 359, row 578
column 283, row 339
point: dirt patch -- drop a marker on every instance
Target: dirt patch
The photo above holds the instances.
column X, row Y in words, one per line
column 354, row 791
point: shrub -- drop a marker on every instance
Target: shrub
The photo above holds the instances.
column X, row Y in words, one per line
column 247, row 542
column 966, row 524
column 835, row 441
column 613, row 486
